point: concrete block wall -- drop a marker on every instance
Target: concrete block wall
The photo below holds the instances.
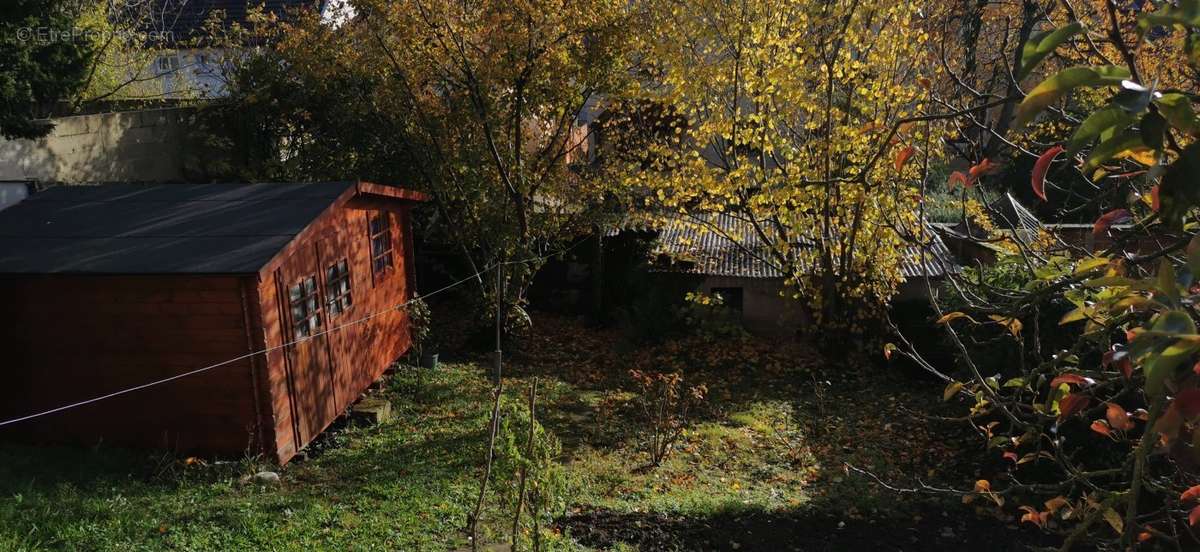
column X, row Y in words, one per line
column 130, row 146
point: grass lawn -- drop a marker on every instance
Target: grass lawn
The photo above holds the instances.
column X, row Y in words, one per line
column 762, row 466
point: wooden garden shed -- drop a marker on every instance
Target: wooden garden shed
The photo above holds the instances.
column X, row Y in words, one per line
column 113, row 286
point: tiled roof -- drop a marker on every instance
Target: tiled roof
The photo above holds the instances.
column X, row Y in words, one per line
column 722, row 244
column 180, row 20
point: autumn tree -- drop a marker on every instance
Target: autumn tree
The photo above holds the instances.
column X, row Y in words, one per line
column 797, row 117
column 481, row 104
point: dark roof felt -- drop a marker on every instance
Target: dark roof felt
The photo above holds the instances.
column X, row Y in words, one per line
column 158, row 229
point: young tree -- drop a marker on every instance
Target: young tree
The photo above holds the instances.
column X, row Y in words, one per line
column 795, row 116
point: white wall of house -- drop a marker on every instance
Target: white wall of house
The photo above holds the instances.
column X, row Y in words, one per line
column 131, row 146
column 191, row 73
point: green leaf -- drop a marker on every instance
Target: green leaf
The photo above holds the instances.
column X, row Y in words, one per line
column 1187, row 14
column 1111, row 281
column 1099, row 121
column 1091, row 263
column 1122, row 142
column 1191, row 47
column 1073, row 316
column 1015, row 382
column 1153, row 127
column 1177, row 109
column 1053, row 88
column 1193, row 254
column 1174, row 322
column 1168, row 286
column 1179, row 189
column 1042, row 44
column 1160, row 367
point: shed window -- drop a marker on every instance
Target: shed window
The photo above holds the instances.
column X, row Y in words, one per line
column 306, row 308
column 337, row 287
column 381, row 242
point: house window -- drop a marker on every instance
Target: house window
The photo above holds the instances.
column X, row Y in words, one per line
column 167, row 64
column 306, row 308
column 337, row 288
column 731, row 296
column 381, row 242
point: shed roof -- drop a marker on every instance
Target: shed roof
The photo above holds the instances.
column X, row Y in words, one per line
column 722, row 244
column 158, row 228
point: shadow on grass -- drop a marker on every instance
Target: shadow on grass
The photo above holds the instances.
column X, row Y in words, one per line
column 809, row 528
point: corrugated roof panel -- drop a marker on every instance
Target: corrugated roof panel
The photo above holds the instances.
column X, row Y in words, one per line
column 722, row 244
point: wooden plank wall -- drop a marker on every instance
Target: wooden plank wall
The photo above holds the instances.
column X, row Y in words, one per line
column 71, row 338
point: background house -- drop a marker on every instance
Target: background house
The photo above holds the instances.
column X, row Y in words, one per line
column 740, row 273
column 188, row 65
column 111, row 287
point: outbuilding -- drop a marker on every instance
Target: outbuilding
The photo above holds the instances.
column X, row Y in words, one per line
column 726, row 257
column 289, row 294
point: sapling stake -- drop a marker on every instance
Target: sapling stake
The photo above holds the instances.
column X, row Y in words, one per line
column 516, row 526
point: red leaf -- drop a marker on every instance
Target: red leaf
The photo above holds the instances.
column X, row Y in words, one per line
column 1033, row 516
column 903, row 156
column 983, row 167
column 1190, row 494
column 958, row 176
column 1108, row 219
column 1194, row 515
column 1040, row 168
column 1071, row 404
column 1154, row 201
column 1118, row 418
column 1071, row 379
column 1121, row 359
column 1144, row 536
column 1188, row 403
column 1010, row 455
column 1102, row 428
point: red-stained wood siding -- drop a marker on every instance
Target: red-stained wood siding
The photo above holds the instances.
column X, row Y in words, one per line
column 71, row 338
column 314, row 381
column 76, row 337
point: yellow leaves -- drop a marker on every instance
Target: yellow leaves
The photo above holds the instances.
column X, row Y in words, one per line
column 983, row 488
column 1073, row 316
column 1114, row 520
column 1013, row 325
column 950, row 317
column 952, row 390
